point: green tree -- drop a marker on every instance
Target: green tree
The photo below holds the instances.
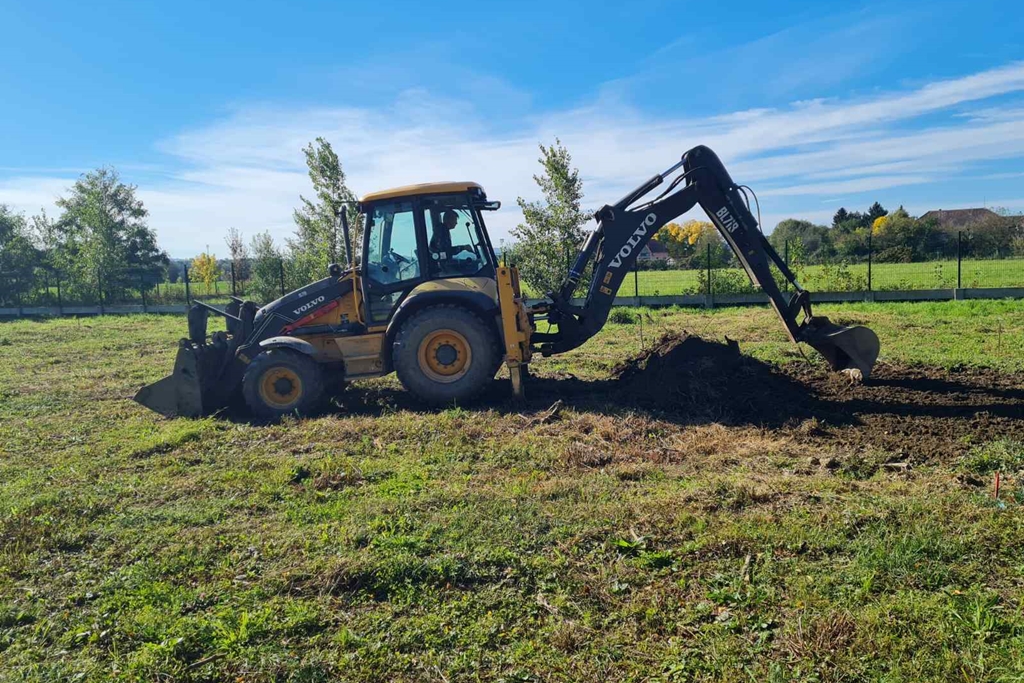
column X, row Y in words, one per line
column 815, row 240
column 552, row 229
column 265, row 280
column 875, row 212
column 102, row 236
column 18, row 256
column 318, row 241
column 172, row 271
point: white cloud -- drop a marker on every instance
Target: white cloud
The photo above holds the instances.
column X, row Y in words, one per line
column 247, row 170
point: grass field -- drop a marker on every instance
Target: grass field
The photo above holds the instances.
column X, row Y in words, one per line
column 884, row 276
column 377, row 541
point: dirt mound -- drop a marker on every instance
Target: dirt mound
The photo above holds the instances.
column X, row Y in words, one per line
column 919, row 413
column 704, row 378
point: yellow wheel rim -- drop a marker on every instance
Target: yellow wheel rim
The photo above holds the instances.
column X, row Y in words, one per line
column 445, row 356
column 280, row 387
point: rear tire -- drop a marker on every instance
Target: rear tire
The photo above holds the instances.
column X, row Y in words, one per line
column 281, row 382
column 445, row 354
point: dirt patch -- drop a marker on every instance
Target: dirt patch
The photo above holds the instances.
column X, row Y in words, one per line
column 913, row 413
column 710, row 379
column 918, row 413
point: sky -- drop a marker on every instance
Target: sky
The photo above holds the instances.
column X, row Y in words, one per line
column 206, row 106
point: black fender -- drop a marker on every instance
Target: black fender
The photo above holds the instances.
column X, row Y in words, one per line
column 475, row 301
column 292, row 343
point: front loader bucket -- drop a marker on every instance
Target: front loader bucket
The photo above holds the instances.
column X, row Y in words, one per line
column 845, row 348
column 180, row 393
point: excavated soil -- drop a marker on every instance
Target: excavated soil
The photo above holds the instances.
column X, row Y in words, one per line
column 915, row 413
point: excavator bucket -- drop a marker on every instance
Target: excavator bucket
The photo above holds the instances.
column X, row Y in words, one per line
column 844, row 347
column 180, row 393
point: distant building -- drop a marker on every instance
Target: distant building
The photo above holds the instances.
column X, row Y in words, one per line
column 653, row 251
column 957, row 219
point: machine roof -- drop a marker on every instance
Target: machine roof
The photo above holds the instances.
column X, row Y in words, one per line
column 422, row 188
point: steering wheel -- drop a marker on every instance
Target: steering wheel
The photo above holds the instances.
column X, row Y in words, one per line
column 396, row 257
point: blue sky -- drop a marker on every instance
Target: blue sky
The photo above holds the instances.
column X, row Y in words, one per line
column 206, row 106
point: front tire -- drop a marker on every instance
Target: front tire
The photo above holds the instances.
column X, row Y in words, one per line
column 444, row 355
column 281, row 382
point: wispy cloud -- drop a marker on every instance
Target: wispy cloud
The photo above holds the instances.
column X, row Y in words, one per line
column 247, row 170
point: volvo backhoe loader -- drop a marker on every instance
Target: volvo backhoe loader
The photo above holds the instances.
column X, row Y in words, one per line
column 429, row 300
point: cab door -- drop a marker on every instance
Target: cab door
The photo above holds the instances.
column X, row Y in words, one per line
column 394, row 252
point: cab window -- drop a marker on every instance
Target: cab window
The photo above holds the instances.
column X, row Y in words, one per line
column 391, row 244
column 454, row 241
column 392, row 258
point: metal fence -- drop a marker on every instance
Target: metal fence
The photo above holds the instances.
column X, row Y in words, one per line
column 958, row 266
column 69, row 289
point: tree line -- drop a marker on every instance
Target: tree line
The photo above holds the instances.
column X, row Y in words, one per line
column 100, row 244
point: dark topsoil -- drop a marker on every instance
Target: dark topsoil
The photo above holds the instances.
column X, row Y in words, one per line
column 917, row 413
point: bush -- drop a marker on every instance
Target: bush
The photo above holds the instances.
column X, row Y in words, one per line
column 900, row 254
column 622, row 316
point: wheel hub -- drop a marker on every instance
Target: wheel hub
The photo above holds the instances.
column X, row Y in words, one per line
column 280, row 387
column 445, row 355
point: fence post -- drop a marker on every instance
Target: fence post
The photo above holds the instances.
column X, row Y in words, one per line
column 142, row 290
column 959, row 241
column 869, row 260
column 233, row 292
column 99, row 287
column 280, row 264
column 708, row 303
column 60, row 303
column 636, row 282
column 188, row 296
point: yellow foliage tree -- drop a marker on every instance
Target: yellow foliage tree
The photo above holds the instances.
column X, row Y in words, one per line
column 205, row 270
column 680, row 240
column 878, row 226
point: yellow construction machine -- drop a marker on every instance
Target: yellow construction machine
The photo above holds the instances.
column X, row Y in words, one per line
column 429, row 300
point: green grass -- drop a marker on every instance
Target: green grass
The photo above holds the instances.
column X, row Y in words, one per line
column 476, row 544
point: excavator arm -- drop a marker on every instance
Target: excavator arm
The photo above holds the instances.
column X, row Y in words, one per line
column 625, row 227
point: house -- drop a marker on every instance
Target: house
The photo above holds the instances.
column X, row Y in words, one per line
column 653, row 251
column 958, row 219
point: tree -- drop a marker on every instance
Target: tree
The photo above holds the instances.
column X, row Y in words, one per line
column 265, row 282
column 18, row 256
column 875, row 212
column 840, row 217
column 552, row 229
column 238, row 251
column 205, row 269
column 815, row 240
column 172, row 271
column 688, row 243
column 102, row 236
column 318, row 241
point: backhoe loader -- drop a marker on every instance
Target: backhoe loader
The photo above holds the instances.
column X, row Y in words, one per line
column 428, row 300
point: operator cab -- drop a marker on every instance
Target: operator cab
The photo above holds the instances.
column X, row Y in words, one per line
column 420, row 233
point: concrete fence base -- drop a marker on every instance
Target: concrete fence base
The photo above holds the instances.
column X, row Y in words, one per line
column 694, row 300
